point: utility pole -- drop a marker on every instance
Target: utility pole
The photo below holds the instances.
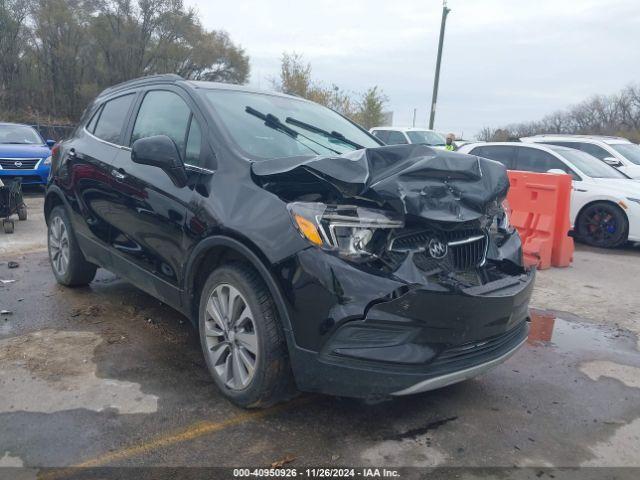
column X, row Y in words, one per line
column 434, row 97
column 414, row 117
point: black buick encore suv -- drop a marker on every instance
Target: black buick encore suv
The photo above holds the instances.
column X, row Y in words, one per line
column 307, row 254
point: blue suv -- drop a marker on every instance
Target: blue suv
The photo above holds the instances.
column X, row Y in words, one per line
column 24, row 154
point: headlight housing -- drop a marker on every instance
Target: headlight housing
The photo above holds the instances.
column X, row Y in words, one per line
column 349, row 230
column 501, row 222
column 47, row 161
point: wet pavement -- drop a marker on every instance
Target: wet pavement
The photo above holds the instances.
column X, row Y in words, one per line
column 107, row 375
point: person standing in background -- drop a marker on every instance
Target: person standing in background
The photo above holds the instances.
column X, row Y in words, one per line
column 449, row 145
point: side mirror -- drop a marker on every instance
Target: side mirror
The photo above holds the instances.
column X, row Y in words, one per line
column 556, row 171
column 614, row 162
column 162, row 152
column 50, row 143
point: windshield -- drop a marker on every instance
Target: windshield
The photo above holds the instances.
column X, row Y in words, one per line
column 590, row 166
column 19, row 135
column 630, row 151
column 425, row 136
column 264, row 141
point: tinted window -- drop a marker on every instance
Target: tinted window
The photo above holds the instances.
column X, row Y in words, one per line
column 503, row 154
column 594, row 150
column 194, row 142
column 163, row 113
column 92, row 123
column 396, row 138
column 382, row 135
column 533, row 160
column 112, row 118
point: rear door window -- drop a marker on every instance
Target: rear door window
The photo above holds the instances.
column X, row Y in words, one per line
column 114, row 113
column 504, row 154
column 396, row 138
column 534, row 160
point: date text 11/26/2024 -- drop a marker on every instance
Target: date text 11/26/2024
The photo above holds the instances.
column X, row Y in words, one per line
column 316, row 472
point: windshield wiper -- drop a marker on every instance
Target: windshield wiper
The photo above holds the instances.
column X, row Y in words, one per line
column 326, row 133
column 274, row 122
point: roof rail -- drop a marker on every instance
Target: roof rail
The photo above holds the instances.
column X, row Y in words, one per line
column 162, row 78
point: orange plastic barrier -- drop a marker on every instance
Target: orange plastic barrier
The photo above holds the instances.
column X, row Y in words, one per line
column 540, row 205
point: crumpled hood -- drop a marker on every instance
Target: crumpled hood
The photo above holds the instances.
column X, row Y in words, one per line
column 414, row 180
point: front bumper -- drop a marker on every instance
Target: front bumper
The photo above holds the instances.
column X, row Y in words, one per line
column 360, row 334
column 36, row 176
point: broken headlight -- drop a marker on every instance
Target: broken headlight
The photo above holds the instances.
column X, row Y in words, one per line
column 351, row 231
column 500, row 222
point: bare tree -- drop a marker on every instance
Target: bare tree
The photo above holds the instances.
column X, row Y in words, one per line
column 55, row 55
column 617, row 114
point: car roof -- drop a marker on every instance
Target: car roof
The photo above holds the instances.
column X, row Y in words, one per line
column 611, row 140
column 198, row 84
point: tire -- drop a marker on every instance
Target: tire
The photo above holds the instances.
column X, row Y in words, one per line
column 67, row 261
column 8, row 226
column 255, row 337
column 602, row 224
column 22, row 212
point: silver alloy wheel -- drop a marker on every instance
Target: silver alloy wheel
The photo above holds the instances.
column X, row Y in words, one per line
column 59, row 245
column 231, row 339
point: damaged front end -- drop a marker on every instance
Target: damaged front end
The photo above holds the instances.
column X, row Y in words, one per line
column 417, row 273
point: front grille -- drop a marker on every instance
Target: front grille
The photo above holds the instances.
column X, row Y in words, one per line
column 18, row 163
column 466, row 248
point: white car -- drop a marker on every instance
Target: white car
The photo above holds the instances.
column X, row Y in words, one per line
column 402, row 135
column 615, row 151
column 605, row 203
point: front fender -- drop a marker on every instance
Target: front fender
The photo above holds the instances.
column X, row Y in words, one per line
column 255, row 259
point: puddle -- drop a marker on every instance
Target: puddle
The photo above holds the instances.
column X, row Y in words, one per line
column 50, row 371
column 627, row 374
column 548, row 329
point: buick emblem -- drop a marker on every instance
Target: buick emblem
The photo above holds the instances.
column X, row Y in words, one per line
column 17, row 164
column 437, row 248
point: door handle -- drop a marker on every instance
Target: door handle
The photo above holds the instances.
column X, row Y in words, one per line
column 118, row 174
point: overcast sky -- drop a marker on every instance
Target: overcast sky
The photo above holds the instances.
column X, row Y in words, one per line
column 504, row 61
